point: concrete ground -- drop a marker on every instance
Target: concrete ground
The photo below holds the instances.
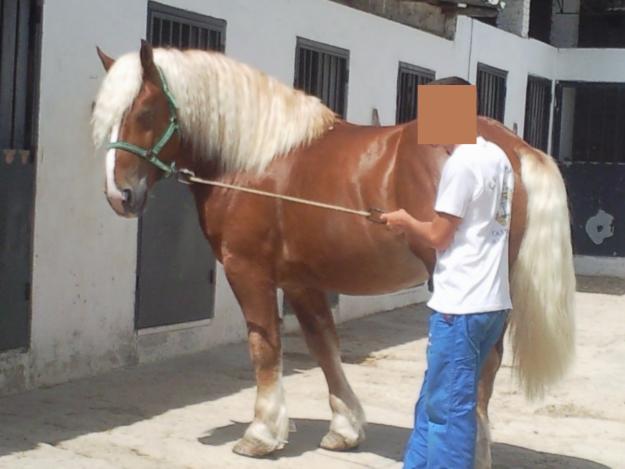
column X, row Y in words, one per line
column 188, row 412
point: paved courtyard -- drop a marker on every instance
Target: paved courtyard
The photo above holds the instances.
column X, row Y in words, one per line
column 188, row 412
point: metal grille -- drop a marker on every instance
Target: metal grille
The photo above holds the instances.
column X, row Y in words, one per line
column 322, row 70
column 408, row 78
column 491, row 92
column 589, row 122
column 20, row 35
column 537, row 110
column 173, row 27
column 18, row 55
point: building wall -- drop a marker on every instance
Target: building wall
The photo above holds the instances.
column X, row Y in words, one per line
column 424, row 16
column 85, row 256
column 519, row 57
column 602, row 65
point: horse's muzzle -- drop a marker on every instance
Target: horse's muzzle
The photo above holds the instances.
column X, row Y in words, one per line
column 129, row 202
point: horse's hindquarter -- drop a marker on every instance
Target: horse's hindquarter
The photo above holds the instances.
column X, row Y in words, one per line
column 354, row 167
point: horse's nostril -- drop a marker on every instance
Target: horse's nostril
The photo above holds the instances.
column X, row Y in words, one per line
column 127, row 196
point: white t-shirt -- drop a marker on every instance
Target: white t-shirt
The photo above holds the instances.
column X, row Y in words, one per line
column 471, row 275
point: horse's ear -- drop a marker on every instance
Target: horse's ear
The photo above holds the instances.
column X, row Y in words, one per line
column 107, row 62
column 150, row 71
column 147, row 62
column 146, row 54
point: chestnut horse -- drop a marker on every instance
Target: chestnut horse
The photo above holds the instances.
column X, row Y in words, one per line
column 228, row 122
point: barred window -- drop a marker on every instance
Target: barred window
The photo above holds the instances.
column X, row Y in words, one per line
column 537, row 111
column 173, row 27
column 323, row 70
column 409, row 77
column 491, row 92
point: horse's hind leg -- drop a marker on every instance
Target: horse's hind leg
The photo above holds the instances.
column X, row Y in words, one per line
column 485, row 391
column 315, row 318
column 256, row 293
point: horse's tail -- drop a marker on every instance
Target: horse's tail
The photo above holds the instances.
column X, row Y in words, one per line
column 542, row 325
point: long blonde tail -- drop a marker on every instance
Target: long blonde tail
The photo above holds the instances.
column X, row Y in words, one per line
column 542, row 323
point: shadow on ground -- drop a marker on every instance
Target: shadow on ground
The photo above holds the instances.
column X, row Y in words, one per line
column 123, row 397
column 388, row 442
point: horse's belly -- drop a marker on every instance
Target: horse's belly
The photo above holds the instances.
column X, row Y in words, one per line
column 364, row 272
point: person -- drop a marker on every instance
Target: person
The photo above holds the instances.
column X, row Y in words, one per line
column 470, row 302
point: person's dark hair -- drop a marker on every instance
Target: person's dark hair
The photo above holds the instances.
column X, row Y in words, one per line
column 449, row 81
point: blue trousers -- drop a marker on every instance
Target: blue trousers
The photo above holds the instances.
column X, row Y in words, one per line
column 445, row 419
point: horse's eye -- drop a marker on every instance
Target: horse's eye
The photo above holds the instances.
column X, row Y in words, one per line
column 145, row 117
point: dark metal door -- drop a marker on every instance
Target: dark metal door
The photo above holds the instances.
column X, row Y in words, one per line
column 19, row 41
column 589, row 142
column 176, row 280
column 16, row 215
column 176, row 268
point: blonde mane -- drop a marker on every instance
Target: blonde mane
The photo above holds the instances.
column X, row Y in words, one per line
column 227, row 110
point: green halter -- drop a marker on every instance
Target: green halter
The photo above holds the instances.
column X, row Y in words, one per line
column 151, row 154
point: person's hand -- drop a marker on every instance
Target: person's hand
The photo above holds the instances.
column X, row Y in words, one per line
column 396, row 221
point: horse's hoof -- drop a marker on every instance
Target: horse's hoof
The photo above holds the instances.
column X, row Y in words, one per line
column 255, row 448
column 336, row 442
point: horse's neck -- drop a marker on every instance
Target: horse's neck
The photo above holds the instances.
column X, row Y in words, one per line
column 199, row 165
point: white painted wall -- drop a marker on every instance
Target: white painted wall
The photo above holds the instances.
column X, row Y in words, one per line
column 600, row 266
column 607, row 65
column 85, row 256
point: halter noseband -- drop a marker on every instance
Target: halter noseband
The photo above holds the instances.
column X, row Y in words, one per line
column 151, row 154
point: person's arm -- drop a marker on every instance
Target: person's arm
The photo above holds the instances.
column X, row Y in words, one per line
column 437, row 234
column 455, row 192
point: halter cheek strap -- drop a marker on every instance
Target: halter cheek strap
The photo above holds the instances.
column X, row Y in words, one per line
column 151, row 154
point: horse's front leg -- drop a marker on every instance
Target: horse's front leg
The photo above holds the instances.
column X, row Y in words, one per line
column 256, row 292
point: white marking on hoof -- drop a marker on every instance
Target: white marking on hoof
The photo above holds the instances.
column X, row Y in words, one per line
column 269, row 431
column 346, row 427
column 258, row 441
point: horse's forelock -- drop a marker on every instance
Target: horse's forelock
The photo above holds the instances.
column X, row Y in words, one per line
column 119, row 89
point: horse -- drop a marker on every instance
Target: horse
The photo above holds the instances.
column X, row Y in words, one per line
column 162, row 109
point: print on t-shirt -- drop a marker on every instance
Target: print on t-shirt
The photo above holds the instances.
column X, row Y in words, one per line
column 505, row 202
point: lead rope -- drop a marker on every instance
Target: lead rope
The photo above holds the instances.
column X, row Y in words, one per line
column 186, row 176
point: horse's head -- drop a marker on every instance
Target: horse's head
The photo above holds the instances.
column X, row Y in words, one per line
column 144, row 139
